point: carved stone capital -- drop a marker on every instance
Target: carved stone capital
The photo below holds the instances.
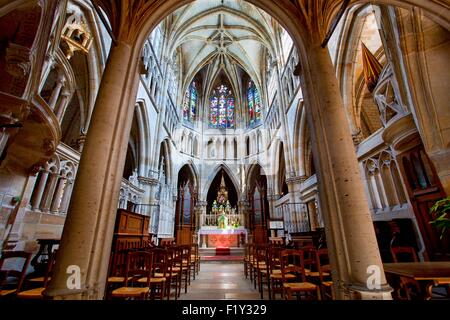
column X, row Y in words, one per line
column 202, row 203
column 357, row 137
column 273, row 197
column 243, row 203
column 18, row 60
column 296, row 179
column 148, row 181
column 34, row 169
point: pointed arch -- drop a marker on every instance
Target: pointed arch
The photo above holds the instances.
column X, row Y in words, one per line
column 193, row 171
column 230, row 174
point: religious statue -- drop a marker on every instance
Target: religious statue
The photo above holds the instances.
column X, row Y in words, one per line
column 133, row 179
column 222, row 222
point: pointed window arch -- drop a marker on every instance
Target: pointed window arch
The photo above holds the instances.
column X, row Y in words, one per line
column 190, row 103
column 221, row 108
column 254, row 104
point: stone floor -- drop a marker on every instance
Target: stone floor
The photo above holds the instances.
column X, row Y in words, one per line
column 221, row 280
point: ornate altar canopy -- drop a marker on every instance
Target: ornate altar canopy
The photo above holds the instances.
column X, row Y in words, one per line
column 222, row 225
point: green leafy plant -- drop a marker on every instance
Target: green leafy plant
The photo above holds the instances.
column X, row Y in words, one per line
column 442, row 209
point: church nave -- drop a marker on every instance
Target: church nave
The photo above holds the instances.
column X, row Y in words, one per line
column 221, row 280
column 136, row 135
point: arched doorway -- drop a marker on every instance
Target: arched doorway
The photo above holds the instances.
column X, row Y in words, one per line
column 259, row 205
column 222, row 178
column 186, row 201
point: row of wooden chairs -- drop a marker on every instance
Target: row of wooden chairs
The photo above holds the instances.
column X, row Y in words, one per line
column 276, row 268
column 14, row 282
column 153, row 272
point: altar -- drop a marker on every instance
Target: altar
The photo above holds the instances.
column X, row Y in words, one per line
column 213, row 237
column 222, row 226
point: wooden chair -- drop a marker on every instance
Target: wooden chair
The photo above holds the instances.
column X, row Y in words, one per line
column 36, row 293
column 248, row 259
column 164, row 242
column 408, row 288
column 179, row 267
column 195, row 260
column 276, row 285
column 292, row 263
column 309, row 260
column 404, row 254
column 254, row 265
column 11, row 280
column 276, row 241
column 117, row 270
column 186, row 266
column 324, row 274
column 173, row 273
column 159, row 274
column 139, row 264
column 262, row 268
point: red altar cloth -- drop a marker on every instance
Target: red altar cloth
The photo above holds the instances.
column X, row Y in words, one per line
column 223, row 240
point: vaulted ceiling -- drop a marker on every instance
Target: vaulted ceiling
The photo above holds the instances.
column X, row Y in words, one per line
column 222, row 36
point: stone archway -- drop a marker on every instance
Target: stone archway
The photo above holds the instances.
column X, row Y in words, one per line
column 352, row 249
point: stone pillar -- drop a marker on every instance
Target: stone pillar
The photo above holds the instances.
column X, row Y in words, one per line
column 37, row 196
column 57, row 198
column 243, row 211
column 63, row 105
column 201, row 209
column 49, row 191
column 441, row 162
column 57, row 90
column 88, row 230
column 350, row 233
column 66, row 197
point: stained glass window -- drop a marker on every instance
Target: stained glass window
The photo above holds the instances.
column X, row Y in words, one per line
column 254, row 104
column 221, row 108
column 190, row 103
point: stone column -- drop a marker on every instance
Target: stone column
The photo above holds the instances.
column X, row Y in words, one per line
column 66, row 197
column 441, row 161
column 350, row 233
column 88, row 230
column 37, row 197
column 49, row 191
column 57, row 90
column 60, row 111
column 201, row 209
column 243, row 211
column 57, row 198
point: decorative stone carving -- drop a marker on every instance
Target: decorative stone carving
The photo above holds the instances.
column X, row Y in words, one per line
column 18, row 60
column 386, row 96
column 79, row 143
column 133, row 179
column 357, row 137
column 34, row 169
column 295, row 179
column 148, row 181
column 76, row 37
column 402, row 134
column 49, row 146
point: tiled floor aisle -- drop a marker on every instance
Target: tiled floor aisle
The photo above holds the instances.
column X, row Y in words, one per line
column 221, row 280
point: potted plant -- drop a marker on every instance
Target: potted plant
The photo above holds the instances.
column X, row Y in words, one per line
column 442, row 210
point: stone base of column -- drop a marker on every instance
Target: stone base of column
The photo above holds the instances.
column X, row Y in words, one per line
column 358, row 292
column 73, row 294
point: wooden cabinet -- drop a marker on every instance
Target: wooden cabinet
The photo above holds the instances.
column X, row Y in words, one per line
column 130, row 232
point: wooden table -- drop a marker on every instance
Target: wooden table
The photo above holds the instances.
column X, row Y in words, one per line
column 428, row 274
